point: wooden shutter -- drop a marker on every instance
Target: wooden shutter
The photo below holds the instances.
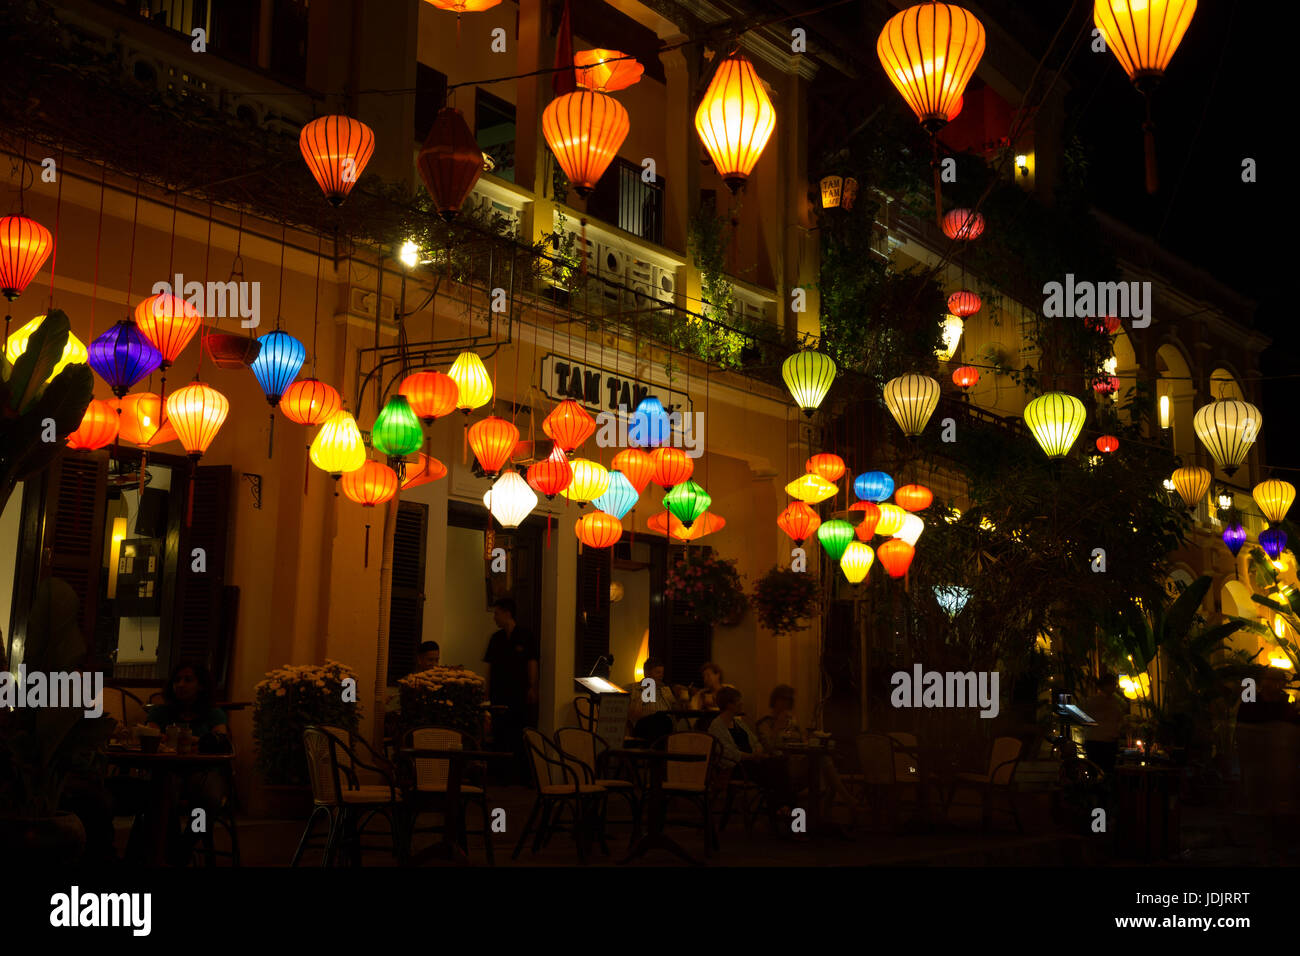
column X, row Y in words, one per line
column 592, row 622
column 72, row 540
column 406, row 609
column 681, row 642
column 203, row 628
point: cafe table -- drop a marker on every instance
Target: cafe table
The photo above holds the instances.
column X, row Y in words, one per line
column 656, row 804
column 448, row 847
column 163, row 766
column 815, row 755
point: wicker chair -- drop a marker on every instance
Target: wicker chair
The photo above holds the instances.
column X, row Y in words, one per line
column 425, row 787
column 347, row 805
column 694, row 782
column 560, row 787
column 1000, row 779
column 878, row 763
column 585, row 710
column 589, row 752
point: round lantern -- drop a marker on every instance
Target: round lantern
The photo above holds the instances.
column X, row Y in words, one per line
column 896, row 556
column 431, row 394
column 569, row 425
column 964, row 303
column 649, row 425
column 856, row 561
column 929, row 52
column 1055, row 419
column 584, row 130
column 337, row 447
column 169, row 323
column 706, row 523
column 963, row 224
column 277, row 364
column 1274, row 498
column 336, row 149
column 735, row 119
column 450, row 162
column 811, row 488
column 1103, row 324
column 619, row 498
column 1234, row 536
column 831, row 188
column 1107, row 444
column 913, row 497
column 808, row 375
column 912, row 527
column 687, row 501
column 98, row 427
column 197, row 412
column 371, row 484
column 1273, row 541
column 510, row 499
column 870, row 518
column 596, row 529
column 121, row 356
column 1228, row 428
column 672, row 467
column 493, row 440
column 606, row 71
column 834, row 536
column 397, row 431
column 1191, row 483
column 590, row 481
column 1143, row 34
column 891, row 520
column 952, row 327
column 873, row 486
column 142, row 422
column 828, row 466
column 966, row 377
column 228, row 350
column 551, row 475
column 24, row 246
column 636, row 465
column 911, row 399
column 310, row 402
column 473, row 386
column 798, row 521
column 426, row 469
column 74, row 352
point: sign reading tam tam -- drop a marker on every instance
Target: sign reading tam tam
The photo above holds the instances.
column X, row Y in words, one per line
column 603, row 390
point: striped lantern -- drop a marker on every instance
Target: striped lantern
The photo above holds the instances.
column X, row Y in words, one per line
column 911, row 399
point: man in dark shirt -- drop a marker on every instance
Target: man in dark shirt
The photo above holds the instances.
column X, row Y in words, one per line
column 512, row 659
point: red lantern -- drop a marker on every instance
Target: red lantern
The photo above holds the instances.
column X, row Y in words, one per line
column 896, row 556
column 870, row 518
column 492, row 440
column 450, row 162
column 636, row 465
column 168, row 322
column 24, row 246
column 963, row 224
column 913, row 497
column 1103, row 325
column 551, row 475
column 197, row 412
column 371, row 484
column 141, row 421
column 799, row 521
column 426, row 469
column 569, row 425
column 964, row 303
column 430, row 394
column 310, row 402
column 1106, row 384
column 672, row 467
column 596, row 529
column 966, row 376
column 829, row 466
column 1107, row 444
column 98, row 427
column 336, row 149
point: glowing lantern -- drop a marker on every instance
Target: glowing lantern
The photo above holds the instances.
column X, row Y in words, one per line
column 169, row 323
column 569, row 424
column 122, row 356
column 1107, row 444
column 1055, row 419
column 1273, row 541
column 551, row 475
column 510, row 499
column 197, row 412
column 964, row 303
column 649, row 425
column 834, row 536
column 24, row 246
column 665, row 523
column 141, row 421
column 278, row 363
column 492, row 440
column 473, row 386
column 1228, row 428
column 636, row 465
column 798, row 521
column 811, row 488
column 951, row 598
column 870, row 518
column 672, row 467
column 464, row 6
column 1234, row 536
column 337, row 447
column 911, row 399
column 584, row 130
column 966, row 377
column 74, row 352
column 963, row 224
column 891, row 520
column 896, row 556
column 706, row 523
column 687, row 501
column 735, row 119
column 829, row 466
column 590, row 481
column 1106, row 384
column 808, row 375
column 856, row 561
column 98, row 427
column 450, row 162
column 832, row 188
column 431, row 394
column 1191, row 483
column 426, row 469
column 606, row 71
column 397, row 431
column 1103, row 324
column 336, row 149
column 929, row 52
column 619, row 498
column 310, row 402
column 1274, row 498
column 873, row 486
column 912, row 527
column 913, row 497
column 371, row 484
column 596, row 529
column 952, row 329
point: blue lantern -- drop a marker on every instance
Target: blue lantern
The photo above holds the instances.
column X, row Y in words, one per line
column 873, row 486
column 1273, row 541
column 277, row 364
column 122, row 356
column 619, row 498
column 649, row 425
column 1234, row 536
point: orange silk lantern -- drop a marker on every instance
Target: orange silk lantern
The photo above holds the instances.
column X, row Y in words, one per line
column 169, row 323
column 707, row 523
column 966, row 376
column 913, row 497
column 596, row 71
column 197, row 412
column 799, row 521
column 929, row 52
column 371, row 484
column 310, row 402
column 665, row 522
column 964, row 303
column 963, row 224
column 870, row 518
column 431, row 394
column 336, row 149
column 672, row 466
column 24, row 246
column 98, row 427
column 584, row 130
column 896, row 556
column 550, row 476
column 464, row 6
column 637, row 466
column 735, row 119
column 1107, row 444
column 492, row 441
column 426, row 469
column 450, row 162
column 596, row 529
column 141, row 421
column 569, row 425
column 829, row 466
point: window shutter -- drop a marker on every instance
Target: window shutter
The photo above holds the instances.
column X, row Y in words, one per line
column 406, row 610
column 595, row 570
column 204, row 622
column 681, row 642
column 72, row 546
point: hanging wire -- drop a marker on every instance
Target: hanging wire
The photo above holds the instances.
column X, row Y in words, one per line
column 58, row 215
column 99, row 233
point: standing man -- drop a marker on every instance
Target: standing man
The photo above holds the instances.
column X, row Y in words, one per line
column 512, row 659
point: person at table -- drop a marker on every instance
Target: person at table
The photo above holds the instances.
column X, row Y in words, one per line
column 188, row 701
column 706, row 697
column 649, row 718
column 740, row 747
column 428, row 656
column 781, row 727
column 1101, row 743
column 512, row 657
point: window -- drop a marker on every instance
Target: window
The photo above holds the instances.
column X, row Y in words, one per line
column 494, row 128
column 624, row 199
column 430, row 95
column 406, row 609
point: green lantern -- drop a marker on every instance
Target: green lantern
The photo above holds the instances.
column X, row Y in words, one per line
column 835, row 536
column 397, row 430
column 687, row 501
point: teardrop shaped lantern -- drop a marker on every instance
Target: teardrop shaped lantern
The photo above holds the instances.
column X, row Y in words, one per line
column 584, row 130
column 510, row 499
column 98, row 427
column 951, row 329
column 277, row 364
column 834, row 536
column 197, row 412
column 637, row 466
column 169, row 324
column 873, row 486
column 142, row 422
column 929, row 52
column 24, row 246
column 569, row 425
column 431, row 394
column 371, row 484
column 798, row 521
column 473, row 386
column 896, row 556
column 310, row 402
column 914, row 497
column 911, row 530
column 856, row 561
column 808, row 375
column 706, row 523
column 606, row 71
column 338, row 447
column 619, row 497
column 1274, row 498
column 590, row 481
column 1191, row 483
column 596, row 529
column 74, row 352
column 966, row 377
column 121, row 356
column 964, row 303
column 735, row 119
column 672, row 467
column 963, row 224
column 493, row 440
column 811, row 488
column 1055, row 419
column 687, row 501
column 891, row 520
column 397, row 430
column 911, row 399
column 551, row 475
column 1273, row 541
column 649, row 425
column 337, row 149
column 870, row 518
column 827, row 465
column 1234, row 536
column 1228, row 428
column 450, row 162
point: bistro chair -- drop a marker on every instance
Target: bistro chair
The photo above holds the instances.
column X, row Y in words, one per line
column 347, row 805
column 693, row 782
column 585, row 711
column 560, row 786
column 427, row 789
column 999, row 780
column 878, row 763
column 590, row 754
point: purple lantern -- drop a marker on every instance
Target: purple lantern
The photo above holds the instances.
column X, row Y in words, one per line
column 1234, row 536
column 122, row 356
column 1273, row 541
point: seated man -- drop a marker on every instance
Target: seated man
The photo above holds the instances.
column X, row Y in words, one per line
column 649, row 718
column 428, row 656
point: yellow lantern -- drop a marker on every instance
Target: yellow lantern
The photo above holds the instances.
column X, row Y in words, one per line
column 1143, row 34
column 892, row 519
column 811, row 489
column 911, row 399
column 474, row 386
column 1274, row 498
column 1228, row 428
column 74, row 351
column 735, row 119
column 929, row 52
column 1055, row 419
column 856, row 561
column 590, row 481
column 1191, row 483
column 808, row 375
column 337, row 447
column 952, row 329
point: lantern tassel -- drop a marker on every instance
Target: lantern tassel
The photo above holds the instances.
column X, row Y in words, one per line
column 189, row 498
column 144, row 467
column 270, row 438
column 464, row 444
column 366, row 561
column 306, row 471
column 8, row 319
column 583, row 220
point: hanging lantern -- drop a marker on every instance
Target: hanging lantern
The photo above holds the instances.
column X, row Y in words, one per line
column 141, row 421
column 590, row 481
column 873, row 486
column 606, row 71
column 493, row 440
column 911, row 530
column 74, row 352
column 24, row 246
column 951, row 598
column 965, row 224
column 569, row 425
column 891, row 520
column 551, row 475
column 964, row 303
column 1274, row 498
column 834, row 536
column 1273, row 541
column 1055, row 419
column 827, row 465
column 636, row 465
column 473, row 386
column 596, row 529
column 911, row 399
column 426, row 469
column 856, row 561
column 687, row 501
column 397, row 431
column 798, row 521
column 832, row 187
column 811, row 488
column 1102, row 324
column 665, row 523
column 337, row 447
column 310, row 402
column 431, row 394
column 952, row 326
column 1191, row 483
column 450, row 162
column 966, row 377
column 619, row 497
column 1106, row 384
column 706, row 523
column 672, row 467
column 1107, row 444
column 735, row 119
column 278, row 363
column 510, row 499
column 227, row 350
column 913, row 497
column 121, row 356
column 870, row 518
column 197, row 412
column 649, row 426
column 336, row 149
column 808, row 375
column 929, row 52
column 896, row 556
column 850, row 193
column 98, row 427
column 169, row 323
column 584, row 130
column 464, row 6
column 1234, row 536
column 371, row 484
column 1228, row 428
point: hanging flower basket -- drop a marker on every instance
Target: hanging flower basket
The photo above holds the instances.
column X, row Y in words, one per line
column 443, row 697
column 710, row 586
column 783, row 598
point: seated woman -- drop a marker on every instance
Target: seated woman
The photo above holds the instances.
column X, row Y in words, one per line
column 740, row 745
column 706, row 698
column 781, row 727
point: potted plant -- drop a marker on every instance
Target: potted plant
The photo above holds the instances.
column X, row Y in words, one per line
column 443, row 697
column 709, row 585
column 784, row 597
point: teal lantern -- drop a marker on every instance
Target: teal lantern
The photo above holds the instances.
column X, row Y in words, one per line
column 687, row 501
column 397, row 431
column 835, row 536
column 619, row 498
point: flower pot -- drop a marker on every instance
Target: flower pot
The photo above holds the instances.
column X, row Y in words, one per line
column 58, row 840
column 273, row 801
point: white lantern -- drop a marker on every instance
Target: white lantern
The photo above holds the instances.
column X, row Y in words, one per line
column 510, row 499
column 912, row 527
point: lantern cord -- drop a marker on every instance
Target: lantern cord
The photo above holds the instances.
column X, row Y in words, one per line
column 207, row 265
column 189, row 495
column 315, row 310
column 130, row 271
column 1149, row 143
column 58, row 215
column 366, row 562
column 270, row 438
column 171, row 249
column 934, row 169
column 99, row 233
column 279, row 302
